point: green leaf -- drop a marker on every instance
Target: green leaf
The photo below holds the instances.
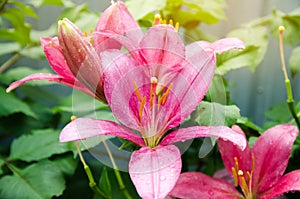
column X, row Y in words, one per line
column 67, row 164
column 295, row 61
column 214, row 114
column 191, row 13
column 25, row 9
column 279, row 113
column 256, row 41
column 34, row 52
column 38, row 145
column 246, row 123
column 290, row 21
column 251, row 141
column 73, row 13
column 104, row 183
column 51, row 2
column 21, row 72
column 140, row 8
column 37, row 181
column 6, row 48
column 11, row 104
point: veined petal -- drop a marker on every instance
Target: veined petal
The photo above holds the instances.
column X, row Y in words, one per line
column 55, row 57
column 223, row 45
column 154, row 172
column 289, row 182
column 195, row 185
column 120, row 74
column 117, row 19
column 51, row 78
column 229, row 151
column 271, row 154
column 194, row 79
column 83, row 128
column 162, row 47
column 222, row 132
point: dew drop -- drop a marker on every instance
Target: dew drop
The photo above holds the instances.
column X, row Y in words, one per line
column 210, row 192
column 162, row 178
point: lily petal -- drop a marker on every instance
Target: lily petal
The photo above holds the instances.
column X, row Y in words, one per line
column 117, row 19
column 289, row 182
column 154, row 172
column 55, row 57
column 222, row 132
column 271, row 154
column 229, row 151
column 195, row 185
column 162, row 47
column 83, row 128
column 51, row 78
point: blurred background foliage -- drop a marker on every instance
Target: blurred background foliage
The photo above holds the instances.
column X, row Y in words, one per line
column 34, row 164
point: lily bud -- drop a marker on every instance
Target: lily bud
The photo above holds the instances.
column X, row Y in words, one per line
column 81, row 58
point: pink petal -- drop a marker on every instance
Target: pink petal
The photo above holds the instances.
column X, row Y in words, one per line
column 55, row 57
column 117, row 19
column 162, row 47
column 194, row 79
column 222, row 132
column 228, row 151
column 224, row 175
column 271, row 154
column 289, row 182
column 154, row 172
column 120, row 73
column 83, row 128
column 50, row 78
column 195, row 185
column 226, row 44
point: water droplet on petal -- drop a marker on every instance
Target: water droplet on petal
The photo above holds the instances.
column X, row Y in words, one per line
column 210, row 192
column 162, row 178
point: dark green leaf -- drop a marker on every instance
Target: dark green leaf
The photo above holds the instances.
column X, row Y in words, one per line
column 104, row 183
column 11, row 104
column 38, row 145
column 140, row 8
column 246, row 123
column 295, row 61
column 21, row 72
column 279, row 113
column 67, row 164
column 214, row 114
column 37, row 181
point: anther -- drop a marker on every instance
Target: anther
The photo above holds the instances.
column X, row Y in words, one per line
column 156, row 20
column 235, row 176
column 176, row 26
column 73, row 117
column 142, row 107
column 137, row 92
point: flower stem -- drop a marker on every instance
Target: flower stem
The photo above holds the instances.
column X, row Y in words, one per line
column 88, row 172
column 116, row 171
column 290, row 100
column 9, row 62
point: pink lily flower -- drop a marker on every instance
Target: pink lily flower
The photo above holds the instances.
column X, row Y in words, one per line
column 258, row 171
column 151, row 91
column 68, row 54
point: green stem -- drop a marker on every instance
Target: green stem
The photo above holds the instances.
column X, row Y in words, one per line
column 116, row 171
column 290, row 99
column 89, row 174
column 9, row 62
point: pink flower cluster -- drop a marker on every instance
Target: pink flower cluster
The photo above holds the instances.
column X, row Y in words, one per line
column 151, row 88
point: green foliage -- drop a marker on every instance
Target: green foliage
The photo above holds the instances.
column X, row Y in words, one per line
column 256, row 41
column 44, row 144
column 294, row 61
column 35, row 181
column 140, row 8
column 215, row 114
column 104, row 183
column 11, row 104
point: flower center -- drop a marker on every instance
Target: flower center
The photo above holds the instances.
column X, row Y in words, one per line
column 158, row 20
column 150, row 110
column 243, row 178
